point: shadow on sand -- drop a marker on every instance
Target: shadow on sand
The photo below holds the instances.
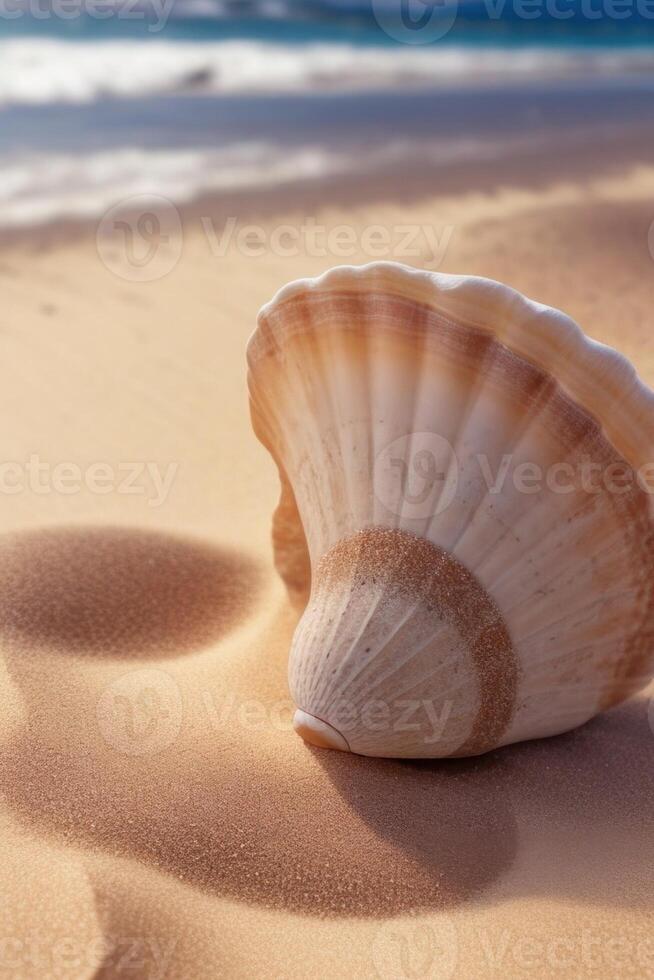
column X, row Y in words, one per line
column 253, row 813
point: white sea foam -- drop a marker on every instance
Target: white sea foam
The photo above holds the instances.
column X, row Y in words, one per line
column 45, row 70
column 36, row 189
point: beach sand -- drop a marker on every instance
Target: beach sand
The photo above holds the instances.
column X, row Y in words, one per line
column 159, row 817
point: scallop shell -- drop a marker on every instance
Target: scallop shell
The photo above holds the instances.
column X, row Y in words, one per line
column 466, row 504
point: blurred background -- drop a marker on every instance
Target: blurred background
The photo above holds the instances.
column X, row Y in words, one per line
column 101, row 99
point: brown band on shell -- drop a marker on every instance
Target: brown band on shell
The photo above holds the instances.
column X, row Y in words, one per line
column 428, row 574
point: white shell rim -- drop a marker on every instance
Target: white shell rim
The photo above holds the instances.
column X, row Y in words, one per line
column 586, row 369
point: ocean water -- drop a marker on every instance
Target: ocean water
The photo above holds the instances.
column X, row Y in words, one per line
column 103, row 99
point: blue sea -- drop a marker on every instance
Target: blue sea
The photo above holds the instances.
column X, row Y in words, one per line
column 102, row 99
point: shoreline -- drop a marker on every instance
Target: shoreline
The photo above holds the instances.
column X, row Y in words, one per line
column 529, row 168
column 336, row 147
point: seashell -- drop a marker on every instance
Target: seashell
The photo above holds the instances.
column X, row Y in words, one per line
column 456, row 601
